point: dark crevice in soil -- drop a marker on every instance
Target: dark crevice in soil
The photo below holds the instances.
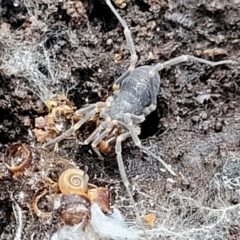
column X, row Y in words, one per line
column 12, row 12
column 5, row 213
column 143, row 6
column 61, row 15
column 99, row 13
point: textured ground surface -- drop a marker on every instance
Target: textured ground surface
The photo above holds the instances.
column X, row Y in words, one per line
column 78, row 49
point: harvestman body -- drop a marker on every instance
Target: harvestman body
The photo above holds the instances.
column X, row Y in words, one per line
column 136, row 99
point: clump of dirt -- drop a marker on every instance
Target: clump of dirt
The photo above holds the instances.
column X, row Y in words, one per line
column 77, row 49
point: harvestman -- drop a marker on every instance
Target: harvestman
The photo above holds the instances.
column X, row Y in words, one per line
column 137, row 98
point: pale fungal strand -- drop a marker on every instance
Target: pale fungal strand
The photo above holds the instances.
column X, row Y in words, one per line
column 73, row 181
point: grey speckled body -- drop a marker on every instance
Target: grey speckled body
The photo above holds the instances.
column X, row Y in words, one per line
column 135, row 94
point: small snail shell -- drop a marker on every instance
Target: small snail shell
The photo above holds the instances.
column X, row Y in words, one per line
column 104, row 147
column 18, row 156
column 37, row 197
column 101, row 197
column 75, row 209
column 73, row 181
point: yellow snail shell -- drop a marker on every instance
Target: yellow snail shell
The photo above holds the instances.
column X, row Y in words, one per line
column 73, row 181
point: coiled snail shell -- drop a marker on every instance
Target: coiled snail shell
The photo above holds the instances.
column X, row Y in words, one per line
column 74, row 181
column 18, row 157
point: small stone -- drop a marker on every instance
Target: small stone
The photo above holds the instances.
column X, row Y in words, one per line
column 204, row 115
column 195, row 118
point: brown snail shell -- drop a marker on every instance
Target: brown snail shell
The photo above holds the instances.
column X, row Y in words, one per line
column 104, row 147
column 75, row 209
column 18, row 156
column 74, row 181
column 37, row 197
column 101, row 197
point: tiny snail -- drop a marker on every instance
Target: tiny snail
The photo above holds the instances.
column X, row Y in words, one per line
column 18, row 156
column 104, row 147
column 76, row 199
column 101, row 197
column 75, row 209
column 37, row 197
column 74, row 181
column 75, row 206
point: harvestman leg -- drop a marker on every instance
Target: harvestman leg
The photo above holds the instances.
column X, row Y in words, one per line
column 98, row 139
column 128, row 117
column 130, row 43
column 138, row 143
column 95, row 133
column 71, row 130
column 104, row 125
column 118, row 151
column 106, row 104
column 134, row 134
column 96, row 142
column 184, row 58
column 95, row 108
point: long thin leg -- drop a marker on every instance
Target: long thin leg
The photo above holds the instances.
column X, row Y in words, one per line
column 97, row 106
column 185, row 58
column 96, row 132
column 85, row 109
column 130, row 43
column 138, row 143
column 118, row 150
column 154, row 89
column 108, row 127
column 115, row 122
column 96, row 142
column 128, row 118
column 71, row 130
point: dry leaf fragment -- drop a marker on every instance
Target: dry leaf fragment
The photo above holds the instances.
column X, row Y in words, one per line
column 51, row 104
column 121, row 3
column 5, row 29
column 215, row 52
column 62, row 110
column 65, row 100
column 117, row 57
column 43, row 135
column 40, row 122
column 150, row 219
column 26, row 121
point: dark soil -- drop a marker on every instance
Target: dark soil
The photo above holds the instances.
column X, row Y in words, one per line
column 195, row 129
